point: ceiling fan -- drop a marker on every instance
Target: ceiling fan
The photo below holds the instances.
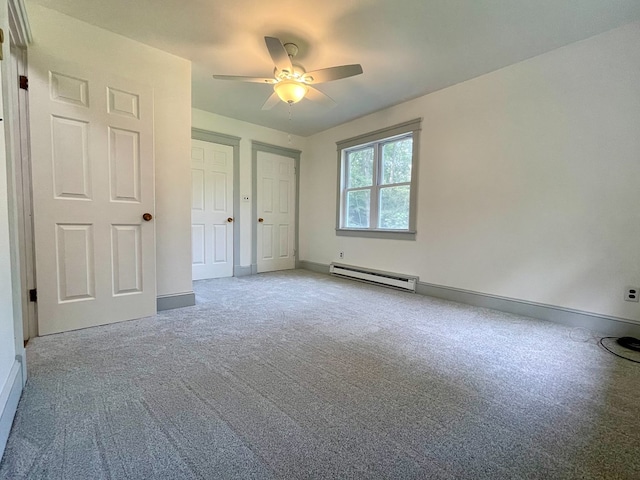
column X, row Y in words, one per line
column 291, row 82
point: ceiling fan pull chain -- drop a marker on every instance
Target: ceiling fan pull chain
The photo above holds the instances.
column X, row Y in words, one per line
column 288, row 134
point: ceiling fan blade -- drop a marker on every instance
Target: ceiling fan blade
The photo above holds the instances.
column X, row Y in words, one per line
column 271, row 102
column 332, row 73
column 245, row 79
column 322, row 98
column 278, row 54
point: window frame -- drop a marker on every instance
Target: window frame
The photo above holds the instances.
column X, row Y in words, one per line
column 377, row 140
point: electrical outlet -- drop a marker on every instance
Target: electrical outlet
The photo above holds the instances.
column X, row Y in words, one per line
column 631, row 294
column 341, row 255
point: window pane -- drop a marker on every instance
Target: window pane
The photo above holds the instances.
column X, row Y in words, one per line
column 358, row 204
column 394, row 207
column 396, row 161
column 360, row 168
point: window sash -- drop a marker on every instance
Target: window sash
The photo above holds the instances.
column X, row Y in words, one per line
column 346, row 207
column 348, row 165
column 377, row 185
column 380, row 149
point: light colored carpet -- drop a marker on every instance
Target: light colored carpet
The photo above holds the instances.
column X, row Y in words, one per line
column 294, row 375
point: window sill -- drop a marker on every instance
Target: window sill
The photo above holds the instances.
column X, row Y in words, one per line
column 370, row 233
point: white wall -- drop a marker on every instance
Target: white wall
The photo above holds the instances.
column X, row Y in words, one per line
column 75, row 41
column 247, row 132
column 529, row 182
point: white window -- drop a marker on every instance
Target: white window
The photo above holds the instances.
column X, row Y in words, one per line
column 378, row 183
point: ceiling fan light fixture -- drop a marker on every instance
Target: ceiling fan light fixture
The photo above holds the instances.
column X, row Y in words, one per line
column 290, row 91
column 291, row 82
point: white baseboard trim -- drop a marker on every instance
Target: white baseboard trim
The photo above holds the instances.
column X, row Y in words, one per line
column 178, row 300
column 575, row 318
column 9, row 398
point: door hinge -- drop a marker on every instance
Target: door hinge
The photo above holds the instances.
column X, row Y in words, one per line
column 33, row 295
column 24, row 82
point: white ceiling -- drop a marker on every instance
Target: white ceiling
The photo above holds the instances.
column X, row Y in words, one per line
column 407, row 48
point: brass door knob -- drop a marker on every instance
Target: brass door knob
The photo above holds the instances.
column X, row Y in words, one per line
column 147, row 216
column 261, row 220
column 230, row 219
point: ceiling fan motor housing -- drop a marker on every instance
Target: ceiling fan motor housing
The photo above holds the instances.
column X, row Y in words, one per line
column 291, row 48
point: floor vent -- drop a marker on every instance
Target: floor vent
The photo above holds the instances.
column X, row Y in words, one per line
column 394, row 280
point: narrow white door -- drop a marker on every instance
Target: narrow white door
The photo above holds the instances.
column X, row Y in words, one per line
column 276, row 193
column 92, row 167
column 211, row 210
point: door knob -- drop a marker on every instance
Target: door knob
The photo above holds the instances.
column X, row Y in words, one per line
column 147, row 216
column 261, row 220
column 230, row 219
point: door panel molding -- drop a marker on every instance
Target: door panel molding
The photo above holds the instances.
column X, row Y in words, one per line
column 233, row 142
column 256, row 147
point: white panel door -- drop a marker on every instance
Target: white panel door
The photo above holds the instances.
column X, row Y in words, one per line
column 92, row 151
column 211, row 210
column 276, row 194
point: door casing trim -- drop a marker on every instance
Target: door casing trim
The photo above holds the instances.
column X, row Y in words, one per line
column 233, row 142
column 256, row 147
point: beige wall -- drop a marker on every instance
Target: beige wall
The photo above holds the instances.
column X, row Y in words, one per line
column 529, row 182
column 75, row 41
column 247, row 132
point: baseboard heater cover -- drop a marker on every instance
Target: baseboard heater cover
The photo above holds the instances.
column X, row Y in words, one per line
column 387, row 279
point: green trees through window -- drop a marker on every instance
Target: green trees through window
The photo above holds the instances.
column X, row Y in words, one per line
column 359, row 175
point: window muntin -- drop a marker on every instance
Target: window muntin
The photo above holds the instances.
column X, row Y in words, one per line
column 376, row 185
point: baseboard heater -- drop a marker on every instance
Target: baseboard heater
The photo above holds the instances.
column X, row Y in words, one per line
column 386, row 279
